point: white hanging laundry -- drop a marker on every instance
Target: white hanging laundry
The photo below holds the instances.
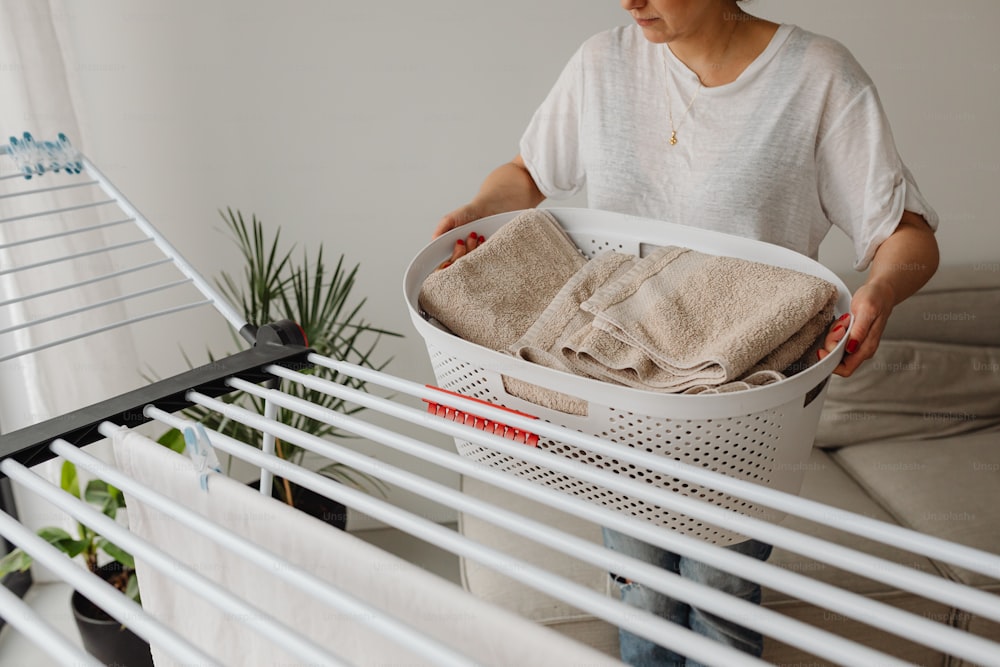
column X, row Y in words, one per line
column 438, row 608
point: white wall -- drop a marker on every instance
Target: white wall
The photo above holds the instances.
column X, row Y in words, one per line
column 359, row 124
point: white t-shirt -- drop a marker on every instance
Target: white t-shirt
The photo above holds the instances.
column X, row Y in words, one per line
column 798, row 142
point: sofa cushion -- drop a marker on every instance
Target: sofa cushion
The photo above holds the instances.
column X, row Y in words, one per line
column 977, row 626
column 779, row 653
column 913, row 389
column 960, row 304
column 825, row 481
column 945, row 487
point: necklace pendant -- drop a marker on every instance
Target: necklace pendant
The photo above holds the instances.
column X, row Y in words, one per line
column 673, row 138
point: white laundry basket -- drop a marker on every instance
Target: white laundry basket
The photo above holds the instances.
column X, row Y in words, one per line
column 763, row 435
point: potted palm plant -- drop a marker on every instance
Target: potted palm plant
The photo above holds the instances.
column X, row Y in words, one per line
column 274, row 286
column 103, row 636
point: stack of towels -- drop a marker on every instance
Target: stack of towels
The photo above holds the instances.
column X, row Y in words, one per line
column 676, row 321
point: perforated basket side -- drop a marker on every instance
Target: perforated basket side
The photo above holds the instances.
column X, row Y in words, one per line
column 767, row 448
column 762, row 435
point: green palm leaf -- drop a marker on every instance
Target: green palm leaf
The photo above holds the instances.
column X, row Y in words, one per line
column 319, row 296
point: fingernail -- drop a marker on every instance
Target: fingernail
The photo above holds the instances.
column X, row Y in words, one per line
column 843, row 317
column 852, row 346
column 837, row 328
column 460, row 241
column 482, row 239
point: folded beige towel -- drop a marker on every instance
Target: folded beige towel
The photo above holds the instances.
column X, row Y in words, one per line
column 492, row 295
column 681, row 319
column 799, row 351
column 748, row 381
column 563, row 321
column 543, row 342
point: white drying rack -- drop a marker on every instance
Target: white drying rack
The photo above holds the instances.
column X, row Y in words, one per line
column 276, row 356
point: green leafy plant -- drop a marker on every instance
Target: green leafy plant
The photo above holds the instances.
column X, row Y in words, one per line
column 88, row 543
column 317, row 296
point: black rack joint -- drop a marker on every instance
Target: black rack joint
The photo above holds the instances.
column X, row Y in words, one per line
column 281, row 343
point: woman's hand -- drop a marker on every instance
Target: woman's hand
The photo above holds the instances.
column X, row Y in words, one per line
column 462, row 247
column 871, row 306
column 509, row 187
column 902, row 264
column 460, row 216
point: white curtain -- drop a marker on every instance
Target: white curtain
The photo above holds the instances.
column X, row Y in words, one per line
column 36, row 95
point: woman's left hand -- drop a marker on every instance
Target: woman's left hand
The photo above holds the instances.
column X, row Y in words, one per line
column 871, row 306
column 462, row 247
column 902, row 264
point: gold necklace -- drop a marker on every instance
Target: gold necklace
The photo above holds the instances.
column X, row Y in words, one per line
column 670, row 111
column 670, row 99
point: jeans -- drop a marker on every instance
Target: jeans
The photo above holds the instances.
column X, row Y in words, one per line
column 641, row 652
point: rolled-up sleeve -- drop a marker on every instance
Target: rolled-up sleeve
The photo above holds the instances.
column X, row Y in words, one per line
column 864, row 187
column 550, row 146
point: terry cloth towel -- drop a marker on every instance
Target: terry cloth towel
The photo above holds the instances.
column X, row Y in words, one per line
column 540, row 344
column 492, row 295
column 546, row 341
column 543, row 341
column 680, row 319
column 434, row 606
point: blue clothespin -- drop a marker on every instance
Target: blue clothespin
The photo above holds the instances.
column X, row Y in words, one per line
column 199, row 448
column 37, row 157
column 19, row 153
column 70, row 156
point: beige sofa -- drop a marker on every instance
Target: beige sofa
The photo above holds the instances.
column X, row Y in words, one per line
column 913, row 438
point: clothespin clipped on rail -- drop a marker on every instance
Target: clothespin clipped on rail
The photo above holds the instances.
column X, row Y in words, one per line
column 199, row 448
column 35, row 158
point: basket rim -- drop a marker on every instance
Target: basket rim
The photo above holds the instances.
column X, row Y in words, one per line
column 633, row 230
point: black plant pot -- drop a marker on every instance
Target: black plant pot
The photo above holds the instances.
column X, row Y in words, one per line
column 314, row 504
column 104, row 637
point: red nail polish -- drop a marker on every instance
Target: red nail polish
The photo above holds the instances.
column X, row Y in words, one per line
column 837, row 328
column 852, row 346
column 460, row 241
column 843, row 317
column 482, row 239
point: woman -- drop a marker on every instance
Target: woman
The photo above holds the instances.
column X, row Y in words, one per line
column 701, row 114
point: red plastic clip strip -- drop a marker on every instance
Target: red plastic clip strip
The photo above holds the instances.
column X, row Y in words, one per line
column 469, row 419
